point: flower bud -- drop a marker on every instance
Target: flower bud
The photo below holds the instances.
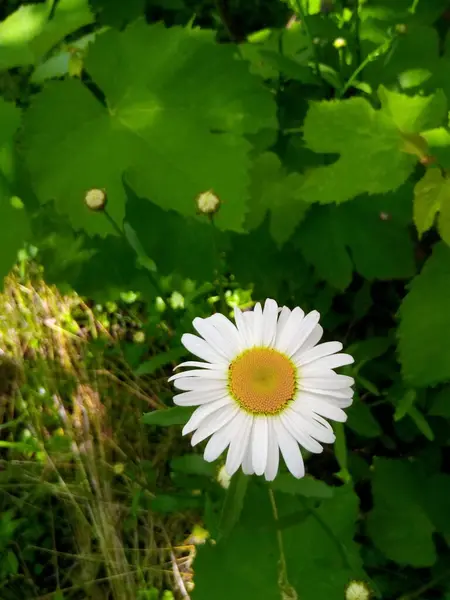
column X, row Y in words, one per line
column 96, row 199
column 208, row 203
column 339, row 43
column 401, row 28
column 357, row 590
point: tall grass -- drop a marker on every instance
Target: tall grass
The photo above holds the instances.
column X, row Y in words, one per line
column 78, row 470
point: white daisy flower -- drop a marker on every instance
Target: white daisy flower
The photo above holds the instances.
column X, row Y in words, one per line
column 265, row 386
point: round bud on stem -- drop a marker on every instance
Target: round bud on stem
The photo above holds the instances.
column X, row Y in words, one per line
column 208, row 203
column 339, row 43
column 401, row 28
column 96, row 199
column 357, row 590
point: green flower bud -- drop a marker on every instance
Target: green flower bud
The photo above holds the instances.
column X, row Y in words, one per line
column 96, row 199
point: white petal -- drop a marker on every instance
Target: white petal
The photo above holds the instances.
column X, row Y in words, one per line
column 313, row 338
column 202, row 412
column 289, row 449
column 260, row 444
column 195, row 398
column 270, row 316
column 239, row 443
column 287, row 334
column 316, row 367
column 326, row 409
column 249, row 320
column 326, row 381
column 318, row 352
column 221, row 375
column 202, row 349
column 221, row 345
column 247, row 465
column 258, row 325
column 228, row 331
column 241, row 326
column 282, row 319
column 221, row 439
column 343, row 393
column 201, row 365
column 320, row 430
column 214, row 422
column 295, row 424
column 200, row 384
column 273, row 454
column 305, row 329
column 312, row 397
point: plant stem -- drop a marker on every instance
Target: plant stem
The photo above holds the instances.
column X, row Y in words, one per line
column 312, row 45
column 384, row 47
column 283, row 580
column 223, row 302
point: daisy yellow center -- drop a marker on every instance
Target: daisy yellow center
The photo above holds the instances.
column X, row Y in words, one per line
column 262, row 380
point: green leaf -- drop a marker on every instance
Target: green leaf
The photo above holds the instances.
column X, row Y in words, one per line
column 414, row 114
column 431, row 195
column 188, row 243
column 307, row 487
column 399, row 524
column 33, row 29
column 177, row 415
column 405, row 403
column 175, row 131
column 436, row 500
column 192, row 464
column 275, row 191
column 424, row 327
column 361, row 420
column 368, row 144
column 331, row 238
column 160, row 360
column 249, row 554
column 440, row 406
column 233, row 504
column 321, row 568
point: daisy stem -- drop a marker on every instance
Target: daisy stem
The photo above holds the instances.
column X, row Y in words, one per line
column 223, row 302
column 283, row 576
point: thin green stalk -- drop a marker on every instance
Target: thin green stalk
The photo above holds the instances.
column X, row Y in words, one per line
column 384, row 47
column 312, row 45
column 223, row 302
column 283, row 580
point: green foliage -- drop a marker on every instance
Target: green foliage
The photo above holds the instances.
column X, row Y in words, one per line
column 32, row 30
column 322, row 129
column 425, row 323
column 129, row 133
column 370, row 163
column 398, row 488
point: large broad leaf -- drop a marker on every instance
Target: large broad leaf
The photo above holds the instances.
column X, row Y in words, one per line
column 33, row 29
column 369, row 147
column 175, row 126
column 414, row 114
column 318, row 568
column 424, row 328
column 399, row 524
column 364, row 232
